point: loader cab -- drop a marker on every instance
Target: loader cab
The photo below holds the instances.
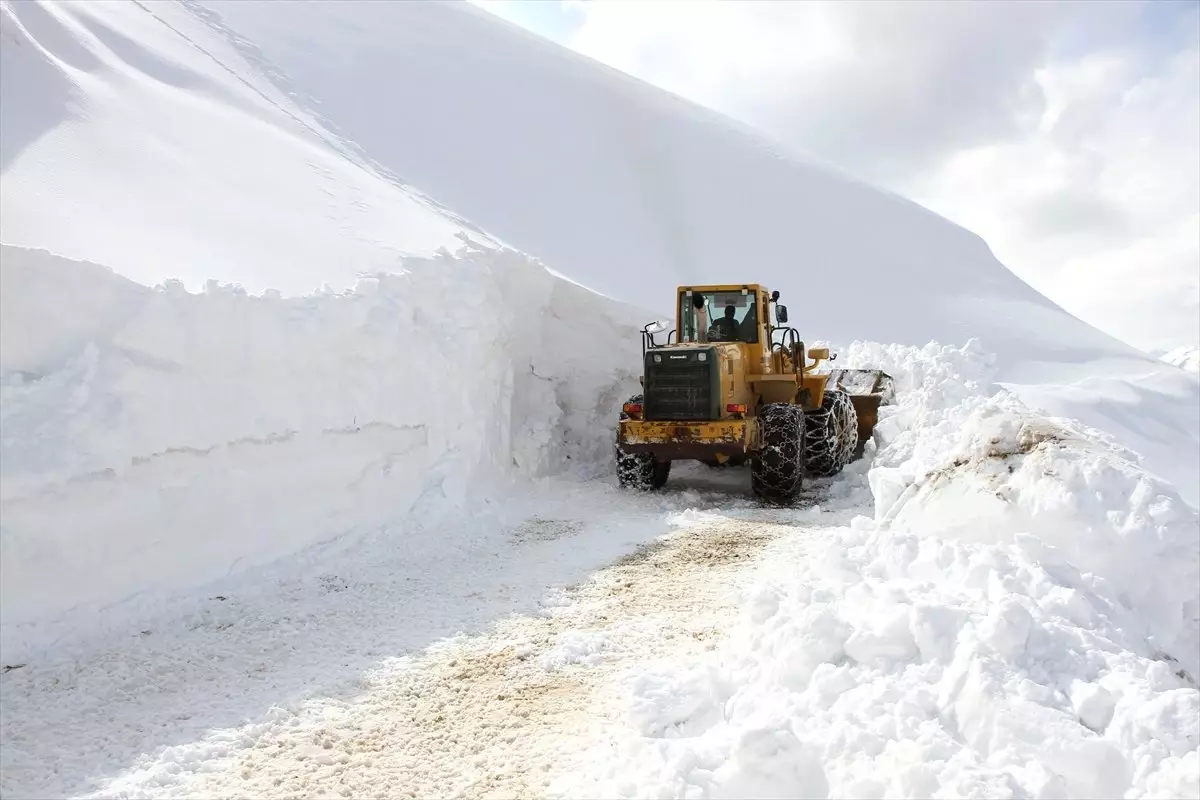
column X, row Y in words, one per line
column 710, row 314
column 737, row 313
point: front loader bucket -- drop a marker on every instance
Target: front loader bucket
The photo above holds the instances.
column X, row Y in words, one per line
column 868, row 389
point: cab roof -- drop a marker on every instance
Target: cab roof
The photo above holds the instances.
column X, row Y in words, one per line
column 722, row 287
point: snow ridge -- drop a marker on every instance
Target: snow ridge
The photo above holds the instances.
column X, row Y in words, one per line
column 1185, row 357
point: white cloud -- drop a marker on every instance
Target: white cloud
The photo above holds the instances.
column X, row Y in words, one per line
column 1099, row 207
column 878, row 84
column 1063, row 133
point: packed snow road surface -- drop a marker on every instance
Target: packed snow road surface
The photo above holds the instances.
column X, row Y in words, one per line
column 504, row 714
column 315, row 678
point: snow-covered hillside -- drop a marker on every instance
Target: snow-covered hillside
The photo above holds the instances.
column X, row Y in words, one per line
column 134, row 137
column 237, row 525
column 1185, row 357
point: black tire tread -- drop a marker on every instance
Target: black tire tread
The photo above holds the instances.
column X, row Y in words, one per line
column 777, row 467
column 639, row 471
column 830, row 435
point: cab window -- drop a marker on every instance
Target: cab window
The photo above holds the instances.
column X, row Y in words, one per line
column 718, row 317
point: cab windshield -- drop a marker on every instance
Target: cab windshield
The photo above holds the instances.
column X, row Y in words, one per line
column 720, row 317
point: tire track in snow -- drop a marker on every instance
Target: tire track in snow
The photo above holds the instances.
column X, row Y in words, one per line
column 492, row 715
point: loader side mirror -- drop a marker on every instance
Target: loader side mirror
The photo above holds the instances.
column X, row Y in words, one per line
column 781, row 313
column 818, row 353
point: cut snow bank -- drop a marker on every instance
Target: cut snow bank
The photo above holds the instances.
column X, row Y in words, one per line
column 1019, row 618
column 154, row 439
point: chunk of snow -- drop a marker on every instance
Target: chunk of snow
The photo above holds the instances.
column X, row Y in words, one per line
column 586, row 648
column 1093, row 703
column 771, row 762
column 1007, row 628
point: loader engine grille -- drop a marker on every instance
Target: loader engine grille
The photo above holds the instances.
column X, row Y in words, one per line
column 682, row 385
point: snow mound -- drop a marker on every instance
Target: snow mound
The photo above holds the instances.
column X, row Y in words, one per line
column 1019, row 618
column 1186, row 357
column 156, row 439
column 986, row 469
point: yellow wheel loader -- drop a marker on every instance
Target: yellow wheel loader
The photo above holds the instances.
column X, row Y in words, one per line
column 729, row 386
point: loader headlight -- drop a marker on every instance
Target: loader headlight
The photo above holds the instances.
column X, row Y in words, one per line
column 702, row 356
column 657, row 358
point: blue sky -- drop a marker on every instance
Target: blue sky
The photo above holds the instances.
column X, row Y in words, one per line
column 549, row 18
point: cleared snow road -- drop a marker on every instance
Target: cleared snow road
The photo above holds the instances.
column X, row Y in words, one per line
column 500, row 714
column 321, row 680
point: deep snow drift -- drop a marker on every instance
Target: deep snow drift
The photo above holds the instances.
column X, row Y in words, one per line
column 156, row 439
column 989, row 631
column 249, row 147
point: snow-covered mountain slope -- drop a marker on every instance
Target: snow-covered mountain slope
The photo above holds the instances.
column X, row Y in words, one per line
column 1185, row 357
column 631, row 191
column 251, row 147
column 134, row 137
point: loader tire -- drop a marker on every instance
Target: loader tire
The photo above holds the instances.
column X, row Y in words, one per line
column 639, row 471
column 777, row 466
column 830, row 435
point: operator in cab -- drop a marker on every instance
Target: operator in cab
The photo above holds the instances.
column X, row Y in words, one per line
column 725, row 329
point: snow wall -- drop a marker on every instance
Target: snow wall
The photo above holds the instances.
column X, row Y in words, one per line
column 155, row 439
